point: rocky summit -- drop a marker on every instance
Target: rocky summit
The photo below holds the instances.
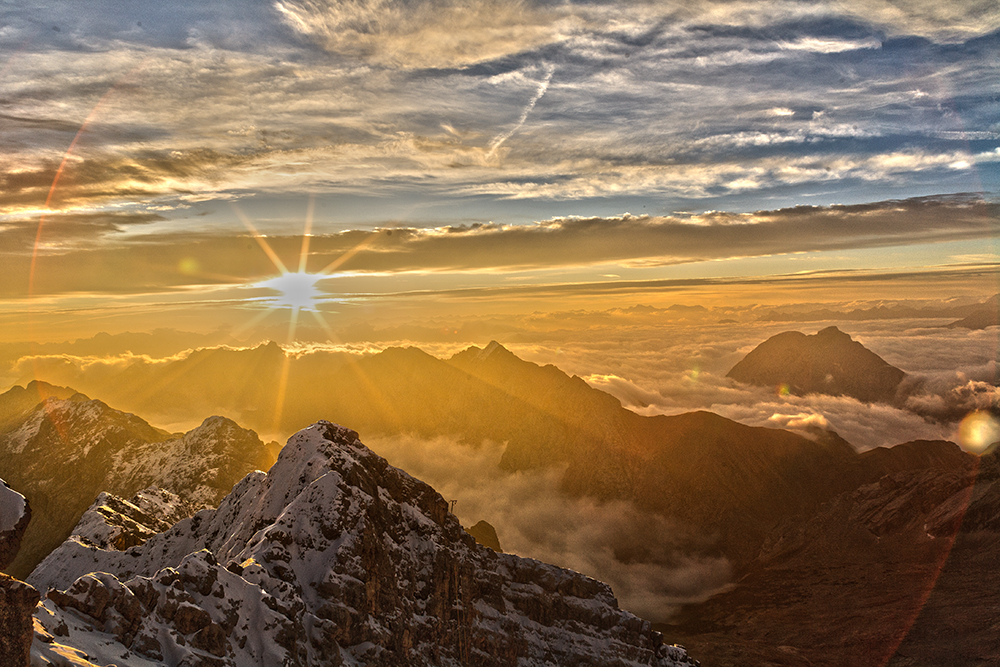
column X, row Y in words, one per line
column 333, row 557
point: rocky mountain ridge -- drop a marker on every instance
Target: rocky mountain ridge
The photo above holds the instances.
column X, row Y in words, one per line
column 333, row 557
column 62, row 452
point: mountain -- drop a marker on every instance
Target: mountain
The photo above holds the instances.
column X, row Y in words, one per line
column 898, row 570
column 549, row 419
column 61, row 453
column 986, row 315
column 827, row 362
column 333, row 557
column 485, row 534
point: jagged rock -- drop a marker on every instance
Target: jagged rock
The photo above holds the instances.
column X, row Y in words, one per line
column 486, row 534
column 828, row 362
column 333, row 557
column 119, row 524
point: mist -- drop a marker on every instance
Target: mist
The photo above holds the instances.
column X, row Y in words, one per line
column 653, row 565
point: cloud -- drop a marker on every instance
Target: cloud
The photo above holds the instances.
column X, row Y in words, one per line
column 154, row 261
column 424, row 33
column 66, row 231
column 668, row 240
column 651, row 99
column 653, row 565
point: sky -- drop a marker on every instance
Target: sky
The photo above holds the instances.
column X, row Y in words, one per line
column 161, row 163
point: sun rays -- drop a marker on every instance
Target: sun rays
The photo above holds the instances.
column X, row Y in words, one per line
column 297, row 291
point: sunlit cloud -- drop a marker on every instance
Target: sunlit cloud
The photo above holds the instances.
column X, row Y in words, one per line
column 423, row 33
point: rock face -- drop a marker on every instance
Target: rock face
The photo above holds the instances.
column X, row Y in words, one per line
column 331, row 558
column 62, row 452
column 17, row 602
column 17, row 599
column 828, row 362
column 15, row 513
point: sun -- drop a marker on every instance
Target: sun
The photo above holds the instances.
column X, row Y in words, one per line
column 297, row 291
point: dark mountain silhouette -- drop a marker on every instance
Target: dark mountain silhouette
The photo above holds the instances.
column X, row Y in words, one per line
column 828, row 362
column 485, row 534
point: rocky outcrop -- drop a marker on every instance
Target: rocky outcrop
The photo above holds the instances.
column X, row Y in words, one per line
column 828, row 362
column 333, row 557
column 485, row 534
column 61, row 453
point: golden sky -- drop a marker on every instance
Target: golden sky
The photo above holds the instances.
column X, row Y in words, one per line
column 162, row 164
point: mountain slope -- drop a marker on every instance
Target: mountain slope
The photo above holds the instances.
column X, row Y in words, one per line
column 827, row 362
column 61, row 453
column 898, row 570
column 986, row 315
column 333, row 557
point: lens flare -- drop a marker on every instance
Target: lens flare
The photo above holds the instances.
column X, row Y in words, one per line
column 978, row 430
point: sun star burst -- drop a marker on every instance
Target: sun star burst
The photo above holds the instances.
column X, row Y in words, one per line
column 295, row 290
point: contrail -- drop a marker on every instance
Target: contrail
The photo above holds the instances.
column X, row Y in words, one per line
column 542, row 87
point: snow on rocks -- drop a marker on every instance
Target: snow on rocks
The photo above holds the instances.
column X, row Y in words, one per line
column 332, row 558
column 63, row 453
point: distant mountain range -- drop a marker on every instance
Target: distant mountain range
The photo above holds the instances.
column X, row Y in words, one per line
column 891, row 312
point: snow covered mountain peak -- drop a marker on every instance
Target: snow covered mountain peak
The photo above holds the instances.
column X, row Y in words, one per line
column 333, row 557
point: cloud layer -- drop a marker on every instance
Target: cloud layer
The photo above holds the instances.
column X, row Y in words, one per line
column 643, row 102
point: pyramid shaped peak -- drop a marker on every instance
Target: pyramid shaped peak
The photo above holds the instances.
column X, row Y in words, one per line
column 832, row 332
column 493, row 349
